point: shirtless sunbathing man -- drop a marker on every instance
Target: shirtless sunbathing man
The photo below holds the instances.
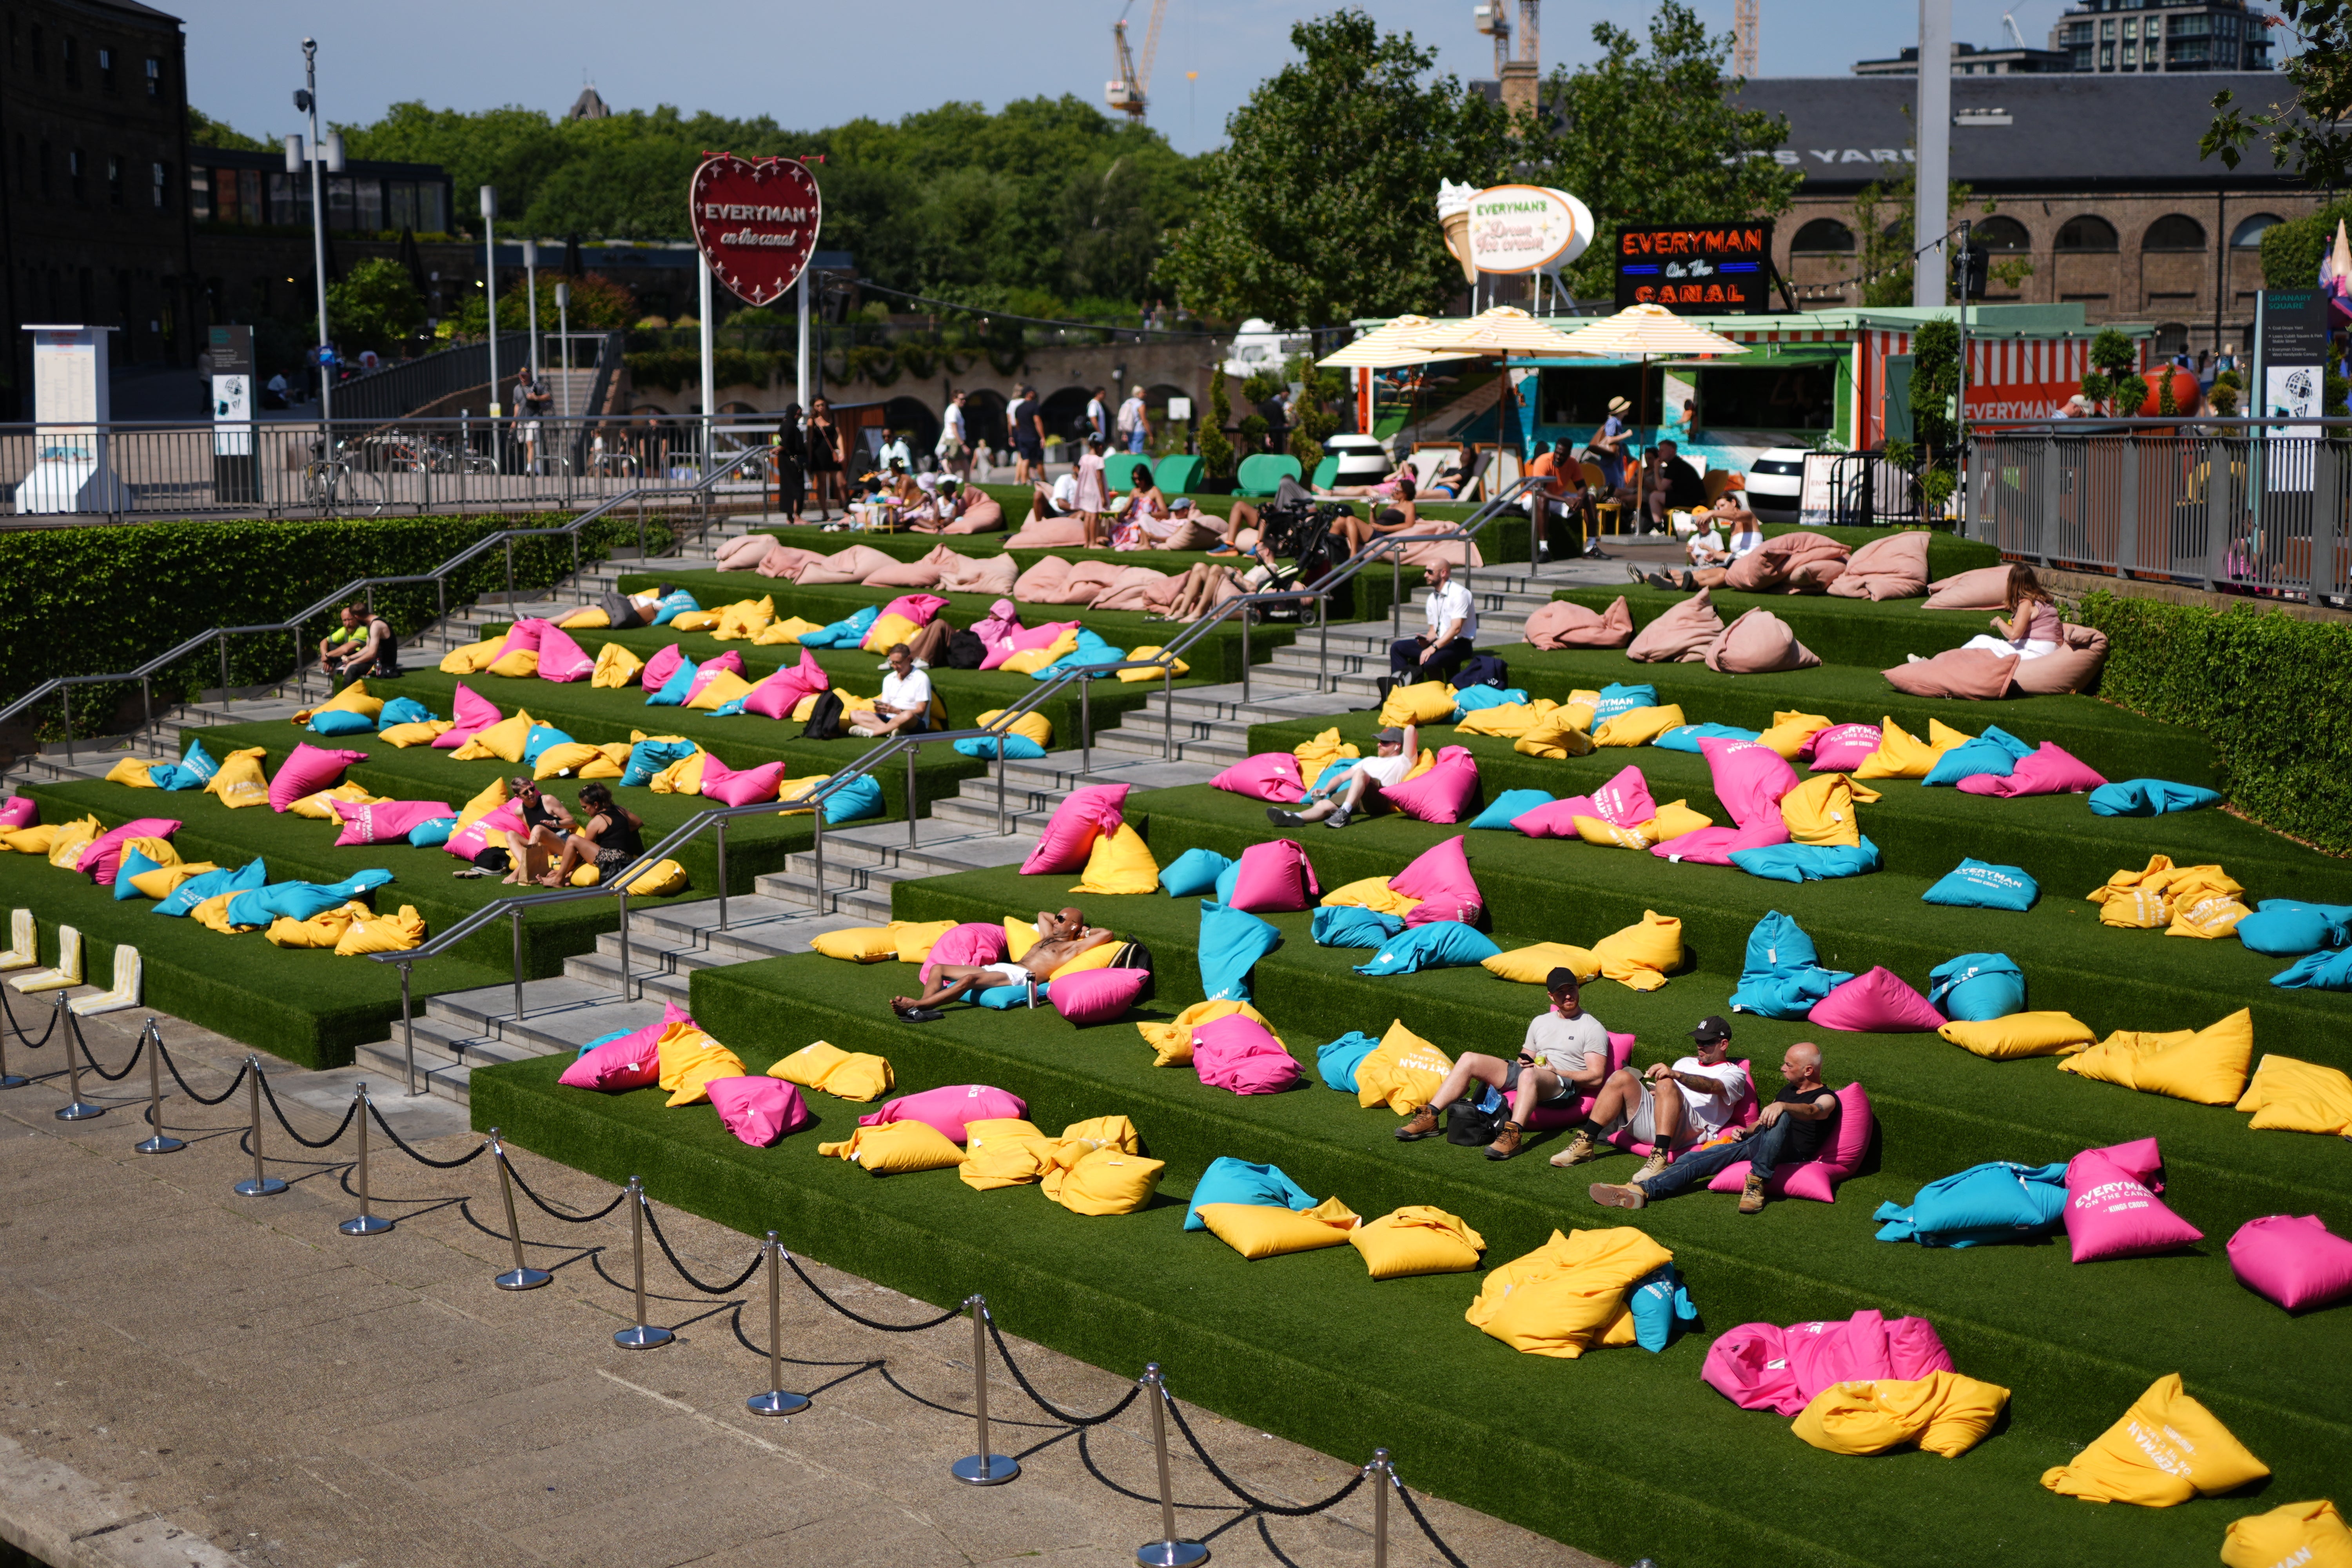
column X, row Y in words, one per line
column 1060, row 938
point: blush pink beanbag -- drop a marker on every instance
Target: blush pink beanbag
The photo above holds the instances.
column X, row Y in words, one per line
column 1275, row 878
column 1878, row 1002
column 779, row 694
column 1841, row 748
column 561, row 659
column 1070, row 833
column 22, row 811
column 102, row 855
column 707, row 671
column 2296, row 1262
column 310, row 770
column 1440, row 877
column 1269, row 777
column 948, row 1108
column 1624, row 799
column 1026, row 638
column 920, row 608
column 748, row 787
column 484, row 831
column 2052, row 770
column 1818, row 1178
column 1762, row 1366
column 1240, row 1053
column 1715, row 845
column 758, row 1109
column 473, row 713
column 660, row 667
column 1096, row 995
column 523, row 637
column 1557, row 820
column 2112, row 1212
column 1439, row 795
column 1749, row 779
column 974, row 942
column 386, row 821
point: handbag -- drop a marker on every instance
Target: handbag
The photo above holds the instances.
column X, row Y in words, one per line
column 1476, row 1125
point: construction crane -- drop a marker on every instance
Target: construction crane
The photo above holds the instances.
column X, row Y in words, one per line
column 1129, row 92
column 1743, row 38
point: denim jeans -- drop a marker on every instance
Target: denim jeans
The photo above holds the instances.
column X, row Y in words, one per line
column 1761, row 1151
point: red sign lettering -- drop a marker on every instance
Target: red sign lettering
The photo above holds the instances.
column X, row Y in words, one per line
column 755, row 221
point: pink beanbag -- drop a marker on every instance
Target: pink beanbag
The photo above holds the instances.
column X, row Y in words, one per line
column 758, row 1109
column 385, row 821
column 1570, row 1112
column 1818, row 1178
column 1070, row 834
column 1557, row 820
column 707, row 671
column 1715, row 845
column 2296, row 1262
column 1269, row 775
column 1026, row 638
column 1096, row 995
column 1624, row 799
column 1984, row 588
column 2112, row 1209
column 1440, row 877
column 523, row 637
column 1563, row 624
column 22, row 811
column 310, row 770
column 1878, row 1002
column 1841, row 748
column 2052, row 770
column 1275, row 878
column 1749, row 780
column 1240, row 1053
column 1965, row 674
column 660, row 667
column 1762, row 1366
column 920, row 608
column 779, row 694
column 1758, row 643
column 1439, row 795
column 473, row 713
column 630, row 1062
column 102, row 855
column 561, row 658
column 747, row 787
column 974, row 942
column 484, row 831
column 948, row 1108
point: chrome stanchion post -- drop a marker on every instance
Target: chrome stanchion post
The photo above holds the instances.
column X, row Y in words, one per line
column 368, row 1223
column 1167, row 711
column 1086, row 726
column 816, row 856
column 156, row 1143
column 523, row 1276
column 642, row 1336
column 983, row 1468
column 263, row 1184
column 514, row 920
column 1382, row 1474
column 776, row 1401
column 1167, row 1551
column 1001, row 828
column 911, row 750
column 1245, row 656
column 408, row 1027
column 723, row 873
column 76, row 1109
column 8, row 1079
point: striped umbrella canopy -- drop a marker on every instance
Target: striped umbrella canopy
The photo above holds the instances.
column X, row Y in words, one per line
column 1647, row 331
column 1502, row 330
column 1385, row 348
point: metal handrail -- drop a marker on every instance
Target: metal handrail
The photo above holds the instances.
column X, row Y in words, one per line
column 439, row 575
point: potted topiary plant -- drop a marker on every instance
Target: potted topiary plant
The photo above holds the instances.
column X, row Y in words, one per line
column 1219, row 461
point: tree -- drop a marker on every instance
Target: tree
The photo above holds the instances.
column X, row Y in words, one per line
column 1216, row 448
column 204, row 130
column 374, row 306
column 1888, row 256
column 2113, row 378
column 1313, row 422
column 1656, row 135
column 1321, row 207
column 2310, row 131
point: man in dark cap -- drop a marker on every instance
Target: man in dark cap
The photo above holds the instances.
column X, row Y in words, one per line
column 1332, row 804
column 1788, row 1131
column 1668, row 1108
column 1564, row 1056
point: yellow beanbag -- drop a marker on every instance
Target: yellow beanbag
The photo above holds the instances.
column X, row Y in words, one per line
column 694, row 621
column 1821, row 811
column 1106, row 1181
column 1321, row 752
column 1639, row 726
column 1506, row 719
column 164, row 880
column 1639, row 956
column 616, row 667
column 719, row 690
column 2149, row 898
column 1533, row 966
column 915, row 938
column 886, row 633
column 1417, row 1239
column 1268, row 1230
column 744, row 619
column 1673, row 819
column 569, row 759
column 503, row 739
column 2294, row 1535
column 1559, row 1299
column 371, row 932
column 1096, row 957
column 658, row 880
column 318, row 806
column 1424, row 702
column 131, row 771
column 1402, row 1072
column 159, row 851
column 1372, row 893
column 690, row 1059
column 800, row 789
column 424, row 732
column 66, row 847
column 1004, row 1151
column 352, row 699
column 859, row 944
column 2020, row 1035
column 2208, row 915
column 2290, row 1096
column 1943, row 1412
column 897, row 1147
column 1033, row 725
column 31, row 840
column 239, row 781
column 516, row 666
column 2207, row 1065
column 1080, row 1138
column 1609, row 836
column 1789, row 731
column 213, row 913
column 1172, row 1041
column 786, row 632
column 491, row 796
column 683, row 777
column 587, row 619
column 2166, row 1450
column 1029, row 661
column 845, row 1075
column 1120, row 862
column 1901, row 754
column 1150, row 650
column 1020, row 936
column 474, row 658
column 1557, row 736
column 323, row 929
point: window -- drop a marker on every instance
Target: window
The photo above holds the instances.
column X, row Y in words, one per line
column 200, row 194
column 1823, row 235
column 2086, row 235
column 106, row 70
column 2174, row 231
column 162, row 186
column 2131, row 27
column 2107, row 57
column 72, row 56
column 2106, row 30
column 45, row 171
column 154, row 76
column 2248, row 235
column 248, row 195
column 2000, row 235
column 39, row 55
column 113, row 180
column 75, row 165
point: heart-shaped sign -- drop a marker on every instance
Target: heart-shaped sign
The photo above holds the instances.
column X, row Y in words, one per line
column 755, row 220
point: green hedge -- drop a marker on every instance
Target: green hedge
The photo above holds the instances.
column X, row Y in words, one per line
column 86, row 601
column 2272, row 695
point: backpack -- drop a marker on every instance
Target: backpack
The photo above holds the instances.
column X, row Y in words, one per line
column 620, row 612
column 964, row 651
column 1480, row 1123
column 824, row 719
column 1133, row 954
column 1483, row 670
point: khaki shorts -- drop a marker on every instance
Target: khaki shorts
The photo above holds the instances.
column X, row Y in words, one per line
column 1641, row 1119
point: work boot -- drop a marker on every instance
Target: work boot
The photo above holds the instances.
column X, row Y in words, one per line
column 1506, row 1142
column 1611, row 1195
column 1420, row 1124
column 1653, row 1166
column 1751, row 1196
column 1579, row 1150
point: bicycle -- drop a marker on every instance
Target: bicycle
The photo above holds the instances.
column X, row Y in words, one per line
column 335, row 485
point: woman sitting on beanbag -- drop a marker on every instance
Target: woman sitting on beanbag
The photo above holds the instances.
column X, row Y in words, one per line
column 544, row 823
column 608, row 839
column 2034, row 629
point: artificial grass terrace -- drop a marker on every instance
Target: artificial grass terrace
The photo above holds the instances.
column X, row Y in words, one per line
column 1947, row 553
column 1877, row 634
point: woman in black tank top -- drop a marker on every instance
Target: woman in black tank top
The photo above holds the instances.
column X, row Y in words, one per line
column 610, row 837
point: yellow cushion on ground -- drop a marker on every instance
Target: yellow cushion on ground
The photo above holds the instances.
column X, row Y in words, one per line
column 1029, row 661
column 690, row 1061
column 1372, row 893
column 587, row 619
column 2207, row 1066
column 491, row 796
column 719, row 690
column 516, row 666
column 1150, row 650
column 424, row 732
column 1943, row 1412
column 1673, row 819
column 2210, row 915
column 164, row 880
column 239, row 781
column 323, row 929
column 845, row 1075
column 1533, row 966
column 1508, row 720
column 565, row 760
column 1609, row 836
column 159, row 851
column 859, row 944
column 214, row 913
column 683, row 777
column 694, row 621
column 1106, row 1181
column 886, row 633
column 1096, row 957
column 1557, row 735
column 371, row 932
column 1080, row 1138
column 2020, row 1035
column 896, row 1147
column 744, row 619
column 1559, row 1299
column 1402, row 1072
column 33, row 840
column 800, row 789
column 66, row 847
column 1120, row 862
column 1639, row 726
column 1790, row 730
column 1639, row 956
column 2166, row 1450
column 2292, row 1535
column 915, row 938
column 1172, row 1041
column 503, row 739
column 1821, row 811
column 1020, row 936
column 131, row 771
column 659, row 880
column 1900, row 755
column 2290, row 1096
column 1417, row 1239
column 352, row 699
column 786, row 632
column 1424, row 702
column 1033, row 725
column 318, row 804
column 474, row 658
column 1004, row 1151
column 616, row 667
column 1269, row 1230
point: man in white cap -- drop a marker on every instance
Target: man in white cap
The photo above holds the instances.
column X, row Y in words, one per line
column 1334, row 803
column 1668, row 1108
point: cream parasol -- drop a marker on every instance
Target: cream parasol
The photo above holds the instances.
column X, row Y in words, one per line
column 1385, row 347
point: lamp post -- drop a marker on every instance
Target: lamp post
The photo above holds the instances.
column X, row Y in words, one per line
column 530, row 297
column 563, row 333
column 306, row 102
column 490, row 300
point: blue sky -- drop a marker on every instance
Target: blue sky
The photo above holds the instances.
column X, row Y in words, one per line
column 737, row 59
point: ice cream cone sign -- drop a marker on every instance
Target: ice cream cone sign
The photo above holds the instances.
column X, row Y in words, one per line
column 1454, row 216
column 1512, row 228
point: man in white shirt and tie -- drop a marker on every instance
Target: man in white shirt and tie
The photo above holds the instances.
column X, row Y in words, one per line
column 1439, row 651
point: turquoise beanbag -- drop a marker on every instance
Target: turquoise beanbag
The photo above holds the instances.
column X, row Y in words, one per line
column 1808, row 862
column 1351, row 925
column 2284, row 928
column 134, row 863
column 1996, row 752
column 432, row 832
column 1999, row 1200
column 1510, row 804
column 1687, row 737
column 1231, row 1181
column 1470, row 698
column 1193, row 873
column 1335, row 1062
column 604, row 1040
column 2151, row 797
column 1781, row 975
column 1616, row 699
column 860, row 798
column 300, row 900
column 847, row 631
column 1020, row 747
column 1005, row 997
column 212, row 884
column 1661, row 1307
column 1440, row 945
column 402, row 710
column 674, row 604
column 541, row 738
column 1091, row 649
column 340, row 721
column 647, row 758
column 1232, row 941
column 1974, row 884
column 194, row 770
column 1976, row 987
column 673, row 691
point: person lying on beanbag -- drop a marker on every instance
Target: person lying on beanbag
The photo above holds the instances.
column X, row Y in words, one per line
column 1060, row 938
column 1564, row 1057
column 1333, row 802
column 1668, row 1108
column 1790, row 1130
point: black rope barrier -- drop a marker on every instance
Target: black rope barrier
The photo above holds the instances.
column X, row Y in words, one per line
column 329, row 1141
column 475, row 1153
column 233, row 1084
column 1422, row 1522
column 818, row 1291
column 74, row 1020
column 17, row 1029
column 1005, row 1352
column 758, row 1256
column 1256, row 1504
column 553, row 1212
